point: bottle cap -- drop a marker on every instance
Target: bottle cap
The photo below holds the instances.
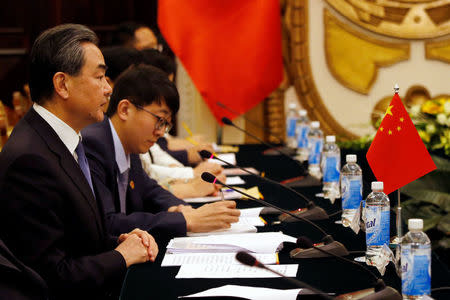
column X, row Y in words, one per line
column 292, row 105
column 415, row 224
column 377, row 185
column 330, row 139
column 302, row 113
column 350, row 158
column 315, row 124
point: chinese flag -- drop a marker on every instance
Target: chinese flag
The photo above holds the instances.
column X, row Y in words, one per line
column 397, row 155
column 231, row 49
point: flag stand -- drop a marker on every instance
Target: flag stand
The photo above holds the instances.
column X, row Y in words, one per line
column 398, row 222
column 397, row 240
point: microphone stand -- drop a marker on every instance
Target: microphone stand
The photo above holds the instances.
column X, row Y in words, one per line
column 311, row 212
column 330, row 244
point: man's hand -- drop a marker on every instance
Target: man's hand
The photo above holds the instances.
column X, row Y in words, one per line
column 210, row 167
column 213, row 216
column 132, row 245
column 193, row 155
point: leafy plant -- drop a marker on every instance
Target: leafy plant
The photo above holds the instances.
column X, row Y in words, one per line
column 430, row 201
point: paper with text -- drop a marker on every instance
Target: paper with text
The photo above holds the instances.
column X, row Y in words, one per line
column 234, row 271
column 227, row 195
column 234, row 180
column 262, row 242
column 213, row 258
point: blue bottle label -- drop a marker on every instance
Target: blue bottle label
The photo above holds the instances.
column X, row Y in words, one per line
column 331, row 171
column 291, row 123
column 377, row 225
column 315, row 146
column 302, row 136
column 351, row 192
column 416, row 270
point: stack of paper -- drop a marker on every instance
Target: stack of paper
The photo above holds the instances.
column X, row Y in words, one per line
column 248, row 292
column 238, row 227
column 264, row 242
column 227, row 195
column 248, row 219
column 251, row 212
column 240, row 172
column 228, row 157
column 213, row 259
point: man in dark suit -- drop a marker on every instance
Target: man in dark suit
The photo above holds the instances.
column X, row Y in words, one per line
column 49, row 216
column 19, row 282
column 140, row 110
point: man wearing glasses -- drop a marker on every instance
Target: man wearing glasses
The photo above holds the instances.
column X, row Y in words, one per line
column 140, row 111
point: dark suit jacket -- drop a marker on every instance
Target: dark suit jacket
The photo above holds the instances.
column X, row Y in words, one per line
column 49, row 217
column 17, row 281
column 146, row 201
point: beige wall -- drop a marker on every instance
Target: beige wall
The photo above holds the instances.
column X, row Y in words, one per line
column 196, row 114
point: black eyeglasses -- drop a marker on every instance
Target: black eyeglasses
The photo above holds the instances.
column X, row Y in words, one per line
column 161, row 123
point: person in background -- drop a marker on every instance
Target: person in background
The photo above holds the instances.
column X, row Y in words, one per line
column 50, row 216
column 138, row 36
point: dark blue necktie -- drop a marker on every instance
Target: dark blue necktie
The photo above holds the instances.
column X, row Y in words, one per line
column 83, row 163
column 122, row 181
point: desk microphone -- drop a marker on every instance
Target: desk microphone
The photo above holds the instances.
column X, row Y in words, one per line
column 332, row 245
column 311, row 212
column 227, row 121
column 381, row 291
column 266, row 129
column 249, row 260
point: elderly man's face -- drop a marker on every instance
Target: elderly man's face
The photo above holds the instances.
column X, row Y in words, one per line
column 89, row 90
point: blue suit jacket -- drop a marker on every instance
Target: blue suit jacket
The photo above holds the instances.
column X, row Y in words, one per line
column 146, row 201
column 49, row 217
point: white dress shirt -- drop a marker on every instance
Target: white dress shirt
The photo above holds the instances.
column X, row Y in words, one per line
column 68, row 136
column 162, row 167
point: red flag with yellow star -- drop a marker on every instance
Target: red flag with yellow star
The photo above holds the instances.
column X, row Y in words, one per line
column 397, row 155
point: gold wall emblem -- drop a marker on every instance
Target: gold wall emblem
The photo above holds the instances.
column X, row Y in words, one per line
column 343, row 44
column 438, row 50
column 408, row 19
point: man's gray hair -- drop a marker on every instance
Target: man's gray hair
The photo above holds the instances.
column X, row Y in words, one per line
column 58, row 49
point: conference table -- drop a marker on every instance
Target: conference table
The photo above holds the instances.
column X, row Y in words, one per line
column 151, row 281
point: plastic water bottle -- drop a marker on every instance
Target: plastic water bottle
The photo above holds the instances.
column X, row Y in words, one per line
column 301, row 132
column 377, row 213
column 291, row 122
column 331, row 168
column 416, row 261
column 351, row 189
column 315, row 145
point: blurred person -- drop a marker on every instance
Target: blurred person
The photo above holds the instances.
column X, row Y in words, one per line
column 138, row 36
column 183, row 182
